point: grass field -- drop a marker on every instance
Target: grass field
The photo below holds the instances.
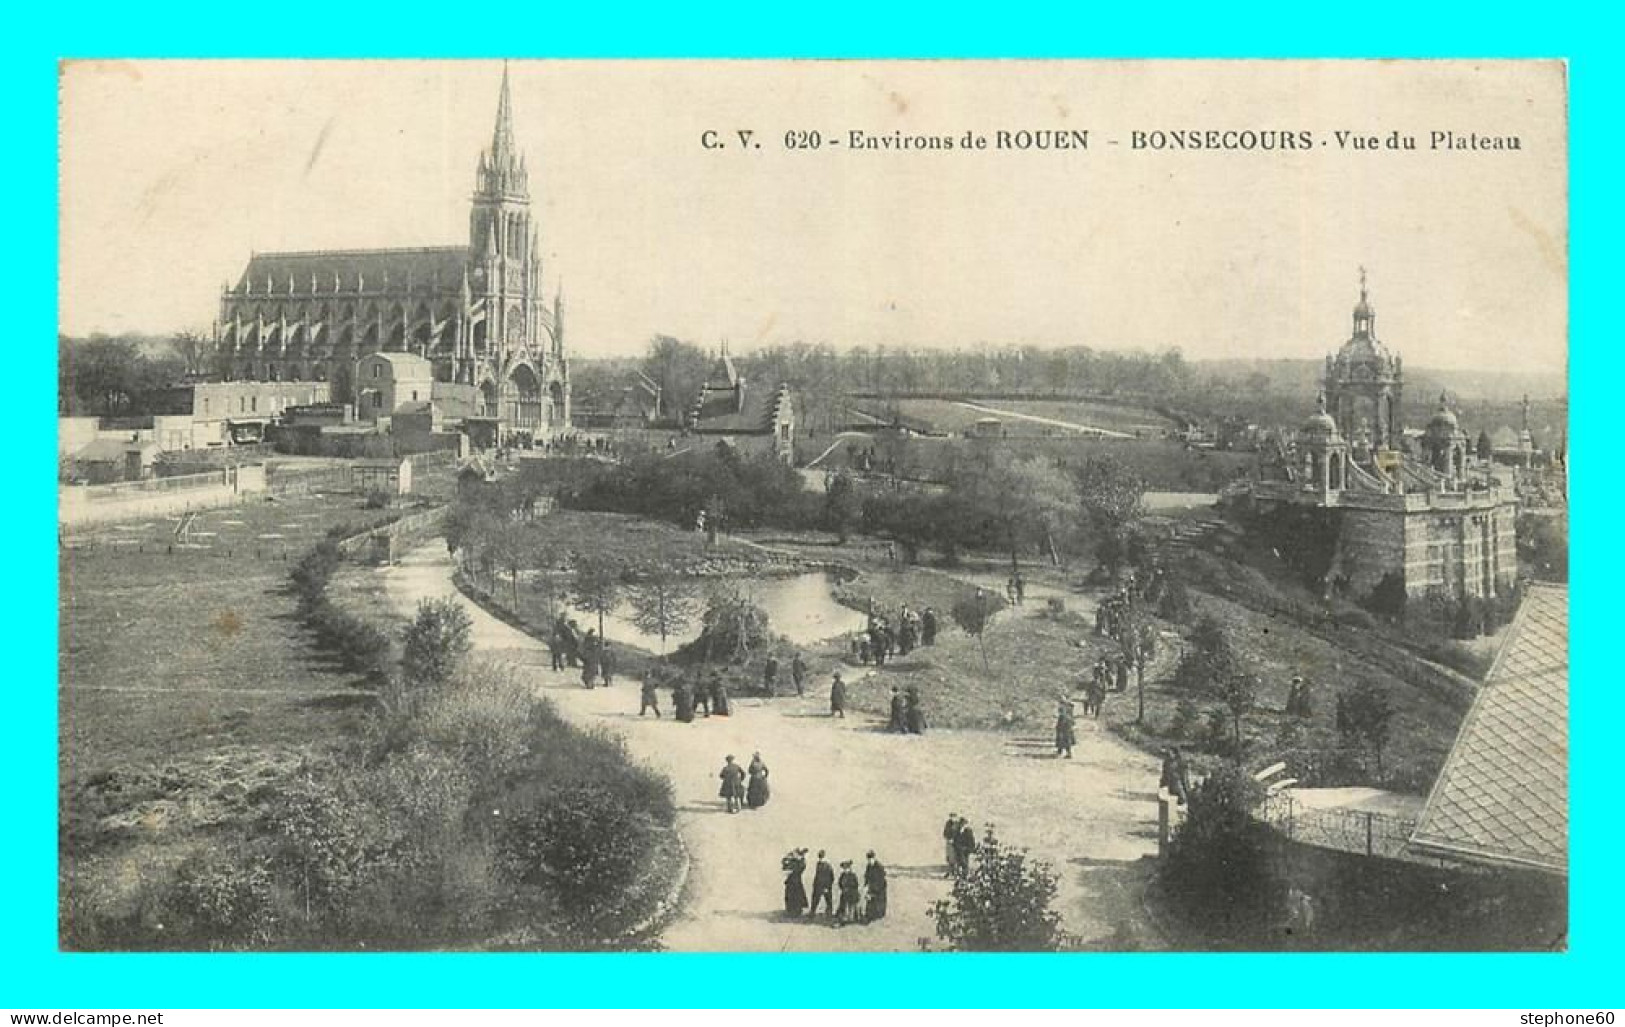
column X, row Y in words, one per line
column 187, row 690
column 956, row 418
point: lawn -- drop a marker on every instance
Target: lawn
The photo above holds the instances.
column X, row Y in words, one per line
column 187, row 691
column 955, row 418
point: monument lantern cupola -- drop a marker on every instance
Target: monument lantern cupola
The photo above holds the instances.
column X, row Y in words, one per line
column 1364, row 382
column 1324, row 451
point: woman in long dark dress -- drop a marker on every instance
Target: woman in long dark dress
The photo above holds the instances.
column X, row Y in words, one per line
column 795, row 892
column 719, row 698
column 756, row 792
column 682, row 699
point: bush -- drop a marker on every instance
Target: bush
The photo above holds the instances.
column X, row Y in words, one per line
column 436, row 642
column 578, row 838
column 220, row 898
column 1001, row 905
column 1360, row 620
column 377, row 499
column 1186, row 720
column 1175, row 603
column 1217, row 863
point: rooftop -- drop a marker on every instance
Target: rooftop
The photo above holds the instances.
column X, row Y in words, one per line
column 1503, row 796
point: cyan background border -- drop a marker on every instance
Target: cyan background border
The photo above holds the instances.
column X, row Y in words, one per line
column 33, row 974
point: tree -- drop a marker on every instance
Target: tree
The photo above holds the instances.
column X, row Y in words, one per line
column 194, row 349
column 596, row 586
column 510, row 549
column 436, row 642
column 733, row 625
column 1136, row 637
column 1387, row 599
column 973, row 614
column 1364, row 717
column 1209, row 658
column 1002, row 904
column 663, row 603
column 1239, row 692
column 1112, row 501
column 843, row 506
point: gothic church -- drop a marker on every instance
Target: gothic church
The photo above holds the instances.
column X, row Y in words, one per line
column 475, row 312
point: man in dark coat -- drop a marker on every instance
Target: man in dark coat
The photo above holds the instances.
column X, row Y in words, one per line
column 650, row 699
column 606, row 663
column 837, row 697
column 770, row 676
column 702, row 697
column 798, row 673
column 733, row 784
column 558, row 642
column 928, row 627
column 1065, row 735
column 950, row 844
column 874, row 884
column 823, row 886
column 899, row 718
column 965, row 845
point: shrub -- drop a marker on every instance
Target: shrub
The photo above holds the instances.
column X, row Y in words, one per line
column 377, row 499
column 1364, row 717
column 1217, row 862
column 1175, row 602
column 1186, row 720
column 1001, row 905
column 220, row 898
column 436, row 642
column 578, row 838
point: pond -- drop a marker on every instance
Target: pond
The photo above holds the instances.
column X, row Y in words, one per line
column 801, row 607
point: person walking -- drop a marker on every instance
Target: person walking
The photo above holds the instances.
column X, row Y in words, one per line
column 606, row 663
column 719, row 696
column 770, row 676
column 1065, row 736
column 702, row 697
column 1020, row 584
column 756, row 791
column 950, row 844
column 798, row 672
column 823, row 886
column 558, row 642
column 649, row 699
column 874, row 886
column 794, row 865
column 733, row 787
column 589, row 658
column 837, row 697
column 851, row 900
column 965, row 845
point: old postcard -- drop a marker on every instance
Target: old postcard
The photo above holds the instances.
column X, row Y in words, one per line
column 801, row 506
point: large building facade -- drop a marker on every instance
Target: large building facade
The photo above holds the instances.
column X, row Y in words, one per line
column 1436, row 518
column 476, row 313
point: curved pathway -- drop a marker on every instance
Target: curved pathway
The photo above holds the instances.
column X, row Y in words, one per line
column 847, row 786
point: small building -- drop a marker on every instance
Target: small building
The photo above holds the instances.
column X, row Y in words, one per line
column 390, row 475
column 751, row 419
column 200, row 415
column 385, row 382
column 637, row 405
column 105, row 461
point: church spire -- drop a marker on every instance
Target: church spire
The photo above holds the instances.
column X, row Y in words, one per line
column 502, row 168
column 502, row 137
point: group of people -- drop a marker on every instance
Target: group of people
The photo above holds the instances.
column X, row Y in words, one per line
column 958, row 843
column 907, row 717
column 859, row 902
column 1298, row 701
column 708, row 697
column 569, row 647
column 883, row 637
column 1015, row 589
column 770, row 674
column 738, row 792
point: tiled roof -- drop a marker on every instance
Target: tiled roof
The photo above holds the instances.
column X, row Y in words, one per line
column 716, row 411
column 1503, row 796
column 439, row 267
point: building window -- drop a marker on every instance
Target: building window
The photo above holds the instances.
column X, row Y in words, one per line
column 377, row 400
column 205, row 406
column 242, row 404
column 254, row 403
column 377, row 370
column 414, row 395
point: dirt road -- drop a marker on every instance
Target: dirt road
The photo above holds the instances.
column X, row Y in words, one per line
column 847, row 786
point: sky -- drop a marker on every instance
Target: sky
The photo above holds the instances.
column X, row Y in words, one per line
column 173, row 172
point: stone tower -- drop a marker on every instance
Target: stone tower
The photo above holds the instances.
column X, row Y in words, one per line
column 1364, row 384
